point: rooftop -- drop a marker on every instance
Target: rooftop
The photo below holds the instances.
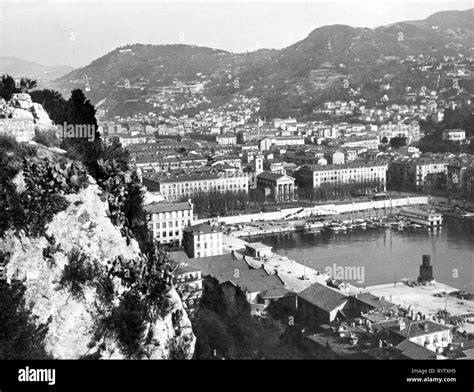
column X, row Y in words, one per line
column 273, row 176
column 201, row 228
column 157, row 207
column 323, row 297
column 352, row 165
column 414, row 351
column 374, row 301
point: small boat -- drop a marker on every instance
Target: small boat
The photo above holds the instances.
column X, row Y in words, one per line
column 359, row 223
column 313, row 226
column 335, row 228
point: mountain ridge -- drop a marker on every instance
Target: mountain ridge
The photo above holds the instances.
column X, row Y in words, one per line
column 352, row 53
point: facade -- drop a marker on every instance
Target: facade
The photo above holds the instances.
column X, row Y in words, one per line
column 127, row 140
column 369, row 143
column 164, row 164
column 202, row 240
column 422, row 217
column 277, row 187
column 188, row 278
column 335, row 158
column 315, row 176
column 454, row 135
column 167, row 220
column 258, row 250
column 409, row 131
column 433, row 336
column 457, row 178
column 174, row 188
column 288, row 140
column 418, row 174
column 226, row 140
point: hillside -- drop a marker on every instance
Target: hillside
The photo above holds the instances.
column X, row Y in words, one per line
column 22, row 68
column 300, row 75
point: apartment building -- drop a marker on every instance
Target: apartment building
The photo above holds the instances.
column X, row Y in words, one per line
column 226, row 140
column 410, row 131
column 454, row 135
column 422, row 174
column 167, row 220
column 360, row 142
column 162, row 163
column 176, row 187
column 202, row 240
column 457, row 175
column 315, row 176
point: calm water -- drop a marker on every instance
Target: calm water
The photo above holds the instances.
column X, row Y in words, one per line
column 387, row 254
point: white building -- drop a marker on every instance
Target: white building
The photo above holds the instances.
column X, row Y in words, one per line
column 454, row 135
column 202, row 240
column 167, row 220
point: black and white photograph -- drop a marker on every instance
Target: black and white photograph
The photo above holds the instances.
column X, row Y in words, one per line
column 237, row 180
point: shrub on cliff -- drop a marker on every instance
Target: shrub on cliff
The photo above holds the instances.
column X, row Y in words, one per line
column 79, row 272
column 20, row 336
column 44, row 183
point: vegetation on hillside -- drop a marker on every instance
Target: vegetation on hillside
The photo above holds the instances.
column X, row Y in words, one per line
column 21, row 336
column 433, row 141
column 224, row 328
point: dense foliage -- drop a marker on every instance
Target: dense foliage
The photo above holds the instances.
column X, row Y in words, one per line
column 21, row 336
column 31, row 199
column 9, row 86
column 459, row 118
column 148, row 280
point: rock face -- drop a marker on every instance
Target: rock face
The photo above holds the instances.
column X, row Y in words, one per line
column 20, row 117
column 85, row 225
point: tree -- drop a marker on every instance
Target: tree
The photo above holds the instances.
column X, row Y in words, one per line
column 9, row 86
column 79, row 111
column 53, row 103
column 397, row 142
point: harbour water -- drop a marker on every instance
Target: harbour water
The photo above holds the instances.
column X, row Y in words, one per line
column 386, row 254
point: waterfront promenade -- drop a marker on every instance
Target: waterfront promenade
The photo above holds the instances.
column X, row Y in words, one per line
column 320, row 210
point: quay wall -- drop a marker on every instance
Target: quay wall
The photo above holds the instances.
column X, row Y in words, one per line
column 318, row 210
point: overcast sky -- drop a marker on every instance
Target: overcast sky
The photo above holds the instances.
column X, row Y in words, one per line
column 75, row 33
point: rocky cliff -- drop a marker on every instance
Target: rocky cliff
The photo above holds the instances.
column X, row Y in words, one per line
column 20, row 117
column 84, row 227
